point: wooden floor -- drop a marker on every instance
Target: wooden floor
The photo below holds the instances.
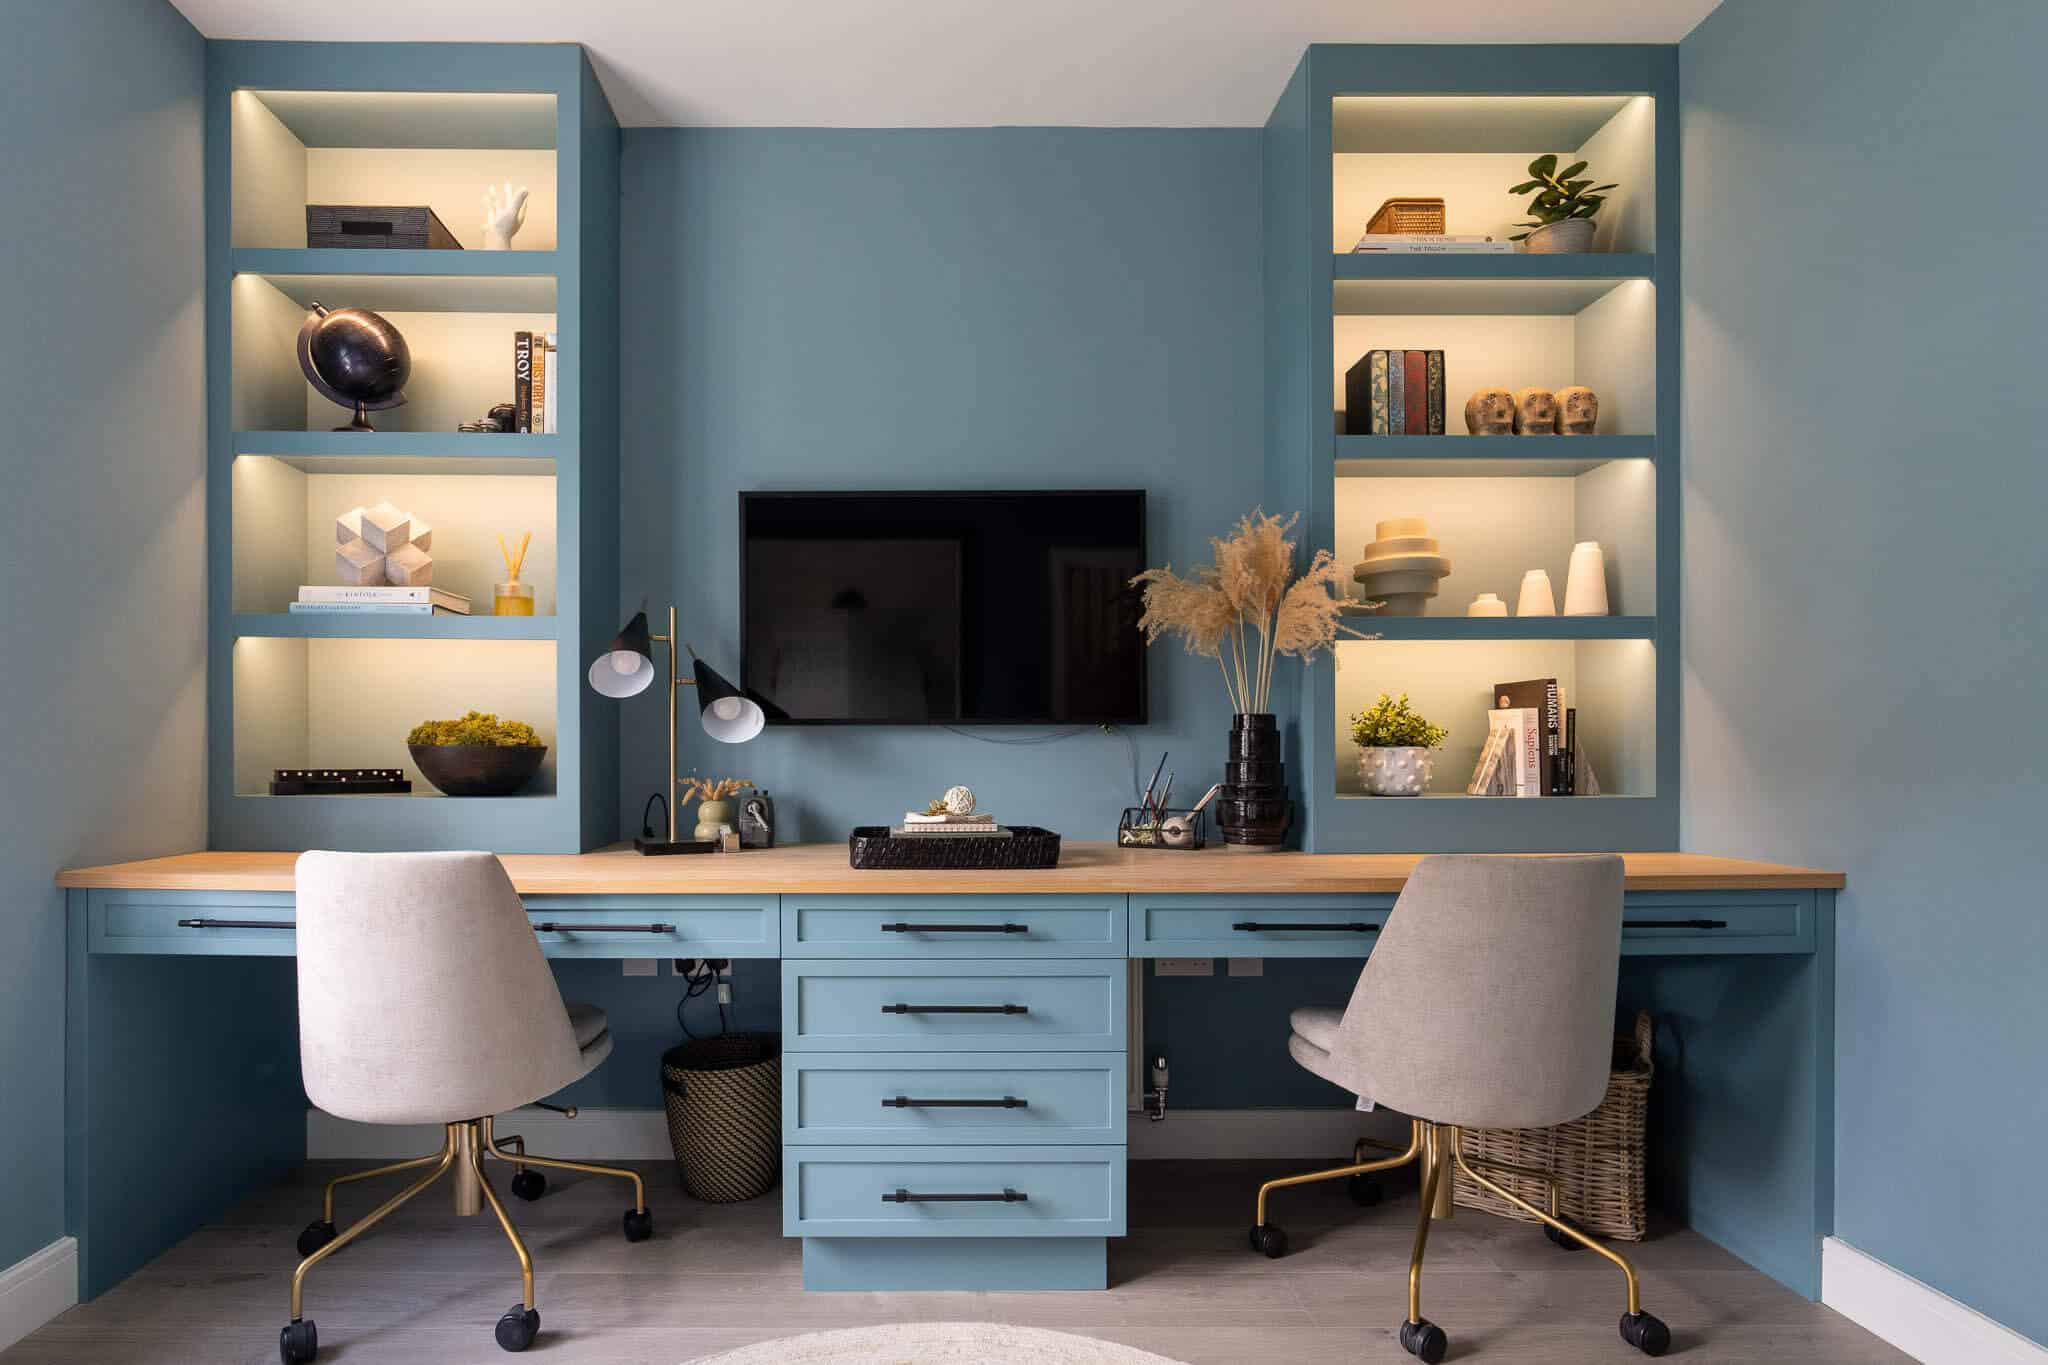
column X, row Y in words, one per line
column 428, row 1286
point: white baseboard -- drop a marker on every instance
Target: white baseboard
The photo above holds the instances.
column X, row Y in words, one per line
column 593, row 1135
column 642, row 1135
column 37, row 1288
column 1920, row 1320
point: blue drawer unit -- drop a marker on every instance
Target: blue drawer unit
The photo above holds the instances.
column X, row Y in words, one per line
column 926, row 1006
column 1673, row 923
column 656, row 926
column 954, row 1097
column 1256, row 926
column 953, row 926
column 949, row 1192
column 192, row 923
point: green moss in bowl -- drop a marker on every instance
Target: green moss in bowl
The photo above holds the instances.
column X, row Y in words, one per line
column 478, row 755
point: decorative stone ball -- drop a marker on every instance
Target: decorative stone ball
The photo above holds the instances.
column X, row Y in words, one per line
column 959, row 801
column 1578, row 410
column 1535, row 412
column 1490, row 412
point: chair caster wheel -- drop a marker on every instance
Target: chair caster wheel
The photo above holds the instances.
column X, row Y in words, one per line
column 518, row 1328
column 1271, row 1239
column 1558, row 1239
column 1645, row 1333
column 1364, row 1190
column 639, row 1224
column 299, row 1342
column 1424, row 1340
column 318, row 1234
column 529, row 1185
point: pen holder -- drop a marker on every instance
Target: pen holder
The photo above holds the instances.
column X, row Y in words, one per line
column 1176, row 829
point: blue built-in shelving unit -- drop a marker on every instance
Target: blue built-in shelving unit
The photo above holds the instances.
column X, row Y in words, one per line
column 1357, row 125
column 290, row 124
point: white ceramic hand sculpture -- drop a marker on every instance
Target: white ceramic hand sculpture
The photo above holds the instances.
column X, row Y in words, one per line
column 503, row 217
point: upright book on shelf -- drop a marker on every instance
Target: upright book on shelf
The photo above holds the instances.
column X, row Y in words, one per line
column 1415, row 422
column 1542, row 696
column 522, row 382
column 1522, row 756
column 1434, row 363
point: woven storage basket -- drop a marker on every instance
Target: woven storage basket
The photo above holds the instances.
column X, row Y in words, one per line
column 1598, row 1160
column 871, row 848
column 1408, row 215
column 724, row 1102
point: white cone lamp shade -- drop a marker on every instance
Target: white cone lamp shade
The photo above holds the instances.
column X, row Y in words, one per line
column 729, row 716
column 626, row 668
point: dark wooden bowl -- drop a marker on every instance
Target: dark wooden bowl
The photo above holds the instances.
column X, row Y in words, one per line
column 478, row 769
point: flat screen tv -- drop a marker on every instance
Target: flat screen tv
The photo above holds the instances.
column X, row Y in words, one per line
column 943, row 608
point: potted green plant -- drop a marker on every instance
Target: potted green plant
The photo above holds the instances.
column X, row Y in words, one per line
column 1561, row 214
column 1394, row 744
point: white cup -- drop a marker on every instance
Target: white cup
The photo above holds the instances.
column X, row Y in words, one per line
column 1537, row 598
column 1487, row 604
column 1585, row 586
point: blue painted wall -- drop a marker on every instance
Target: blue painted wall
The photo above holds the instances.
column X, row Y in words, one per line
column 103, row 667
column 1864, row 641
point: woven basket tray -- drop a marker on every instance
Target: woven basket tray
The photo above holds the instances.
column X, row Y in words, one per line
column 872, row 848
column 1408, row 215
column 1598, row 1160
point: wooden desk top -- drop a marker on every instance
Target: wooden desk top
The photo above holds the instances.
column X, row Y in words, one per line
column 822, row 869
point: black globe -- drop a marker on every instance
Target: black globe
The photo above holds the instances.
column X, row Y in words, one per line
column 355, row 358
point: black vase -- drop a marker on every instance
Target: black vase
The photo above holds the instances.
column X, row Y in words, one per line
column 1252, row 810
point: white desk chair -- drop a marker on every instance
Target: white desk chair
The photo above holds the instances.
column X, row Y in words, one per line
column 1488, row 1002
column 424, row 998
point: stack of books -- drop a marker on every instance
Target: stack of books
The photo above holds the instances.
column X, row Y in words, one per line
column 918, row 825
column 318, row 600
column 1430, row 243
column 535, row 383
column 1395, row 393
column 1532, row 745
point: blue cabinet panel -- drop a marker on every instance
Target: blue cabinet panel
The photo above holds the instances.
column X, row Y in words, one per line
column 191, row 923
column 1692, row 923
column 1036, row 1192
column 622, row 926
column 953, row 926
column 1010, row 1097
column 1256, row 926
column 901, row 1006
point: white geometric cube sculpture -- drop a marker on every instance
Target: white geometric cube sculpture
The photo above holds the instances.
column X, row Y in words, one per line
column 382, row 545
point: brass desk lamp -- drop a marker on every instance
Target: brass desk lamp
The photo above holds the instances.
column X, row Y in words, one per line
column 626, row 669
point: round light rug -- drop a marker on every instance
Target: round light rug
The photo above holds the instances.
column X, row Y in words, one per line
column 937, row 1343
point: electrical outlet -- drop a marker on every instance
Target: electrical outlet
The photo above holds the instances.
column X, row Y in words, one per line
column 1247, row 966
column 1183, row 966
column 723, row 966
column 642, row 966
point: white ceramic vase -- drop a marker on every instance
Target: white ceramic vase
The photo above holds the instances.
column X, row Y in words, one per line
column 1487, row 604
column 1585, row 586
column 1400, row 770
column 1537, row 598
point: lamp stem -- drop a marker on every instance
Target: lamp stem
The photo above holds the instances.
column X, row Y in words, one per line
column 672, row 723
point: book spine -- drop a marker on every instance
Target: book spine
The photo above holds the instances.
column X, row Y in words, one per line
column 1407, row 238
column 1433, row 249
column 1529, row 770
column 1397, row 394
column 320, row 593
column 1553, row 741
column 362, row 608
column 1358, row 398
column 522, row 382
column 549, row 419
column 541, row 380
column 1379, row 393
column 1417, row 367
column 1436, row 392
column 1571, row 750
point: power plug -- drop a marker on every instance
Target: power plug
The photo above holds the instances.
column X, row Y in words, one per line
column 725, row 992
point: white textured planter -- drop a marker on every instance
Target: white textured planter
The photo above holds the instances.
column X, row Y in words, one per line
column 1567, row 234
column 1399, row 771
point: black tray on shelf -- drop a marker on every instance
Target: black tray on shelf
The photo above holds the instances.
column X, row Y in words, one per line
column 872, row 848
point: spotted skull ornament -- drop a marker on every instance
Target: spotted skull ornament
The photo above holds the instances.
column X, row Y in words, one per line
column 1578, row 411
column 1490, row 412
column 1535, row 412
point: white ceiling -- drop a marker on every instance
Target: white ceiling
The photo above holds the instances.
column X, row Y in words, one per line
column 950, row 63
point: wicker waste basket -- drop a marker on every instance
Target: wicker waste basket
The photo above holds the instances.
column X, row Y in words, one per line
column 724, row 1101
column 1598, row 1160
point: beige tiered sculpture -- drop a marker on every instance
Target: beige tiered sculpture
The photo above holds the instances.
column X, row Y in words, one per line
column 1401, row 567
column 382, row 545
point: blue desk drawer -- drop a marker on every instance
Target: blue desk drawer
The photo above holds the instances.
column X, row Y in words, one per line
column 192, row 923
column 656, row 926
column 1067, row 1005
column 1256, row 926
column 1695, row 924
column 953, row 926
column 981, row 1192
column 953, row 1097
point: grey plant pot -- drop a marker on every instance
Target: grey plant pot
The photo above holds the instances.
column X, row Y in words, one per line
column 1570, row 234
column 1402, row 770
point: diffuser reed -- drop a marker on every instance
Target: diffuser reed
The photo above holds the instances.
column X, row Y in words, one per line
column 513, row 598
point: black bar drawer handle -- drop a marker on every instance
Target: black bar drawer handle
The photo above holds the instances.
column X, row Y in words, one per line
column 900, row 1008
column 901, row 928
column 1252, row 926
column 905, row 1102
column 906, row 1197
column 236, row 924
column 548, row 926
column 1674, row 924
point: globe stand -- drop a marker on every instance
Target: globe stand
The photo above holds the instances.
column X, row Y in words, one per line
column 361, row 422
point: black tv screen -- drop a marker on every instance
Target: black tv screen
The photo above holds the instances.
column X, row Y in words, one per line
column 942, row 608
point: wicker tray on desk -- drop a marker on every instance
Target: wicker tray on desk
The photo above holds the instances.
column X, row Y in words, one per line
column 871, row 848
